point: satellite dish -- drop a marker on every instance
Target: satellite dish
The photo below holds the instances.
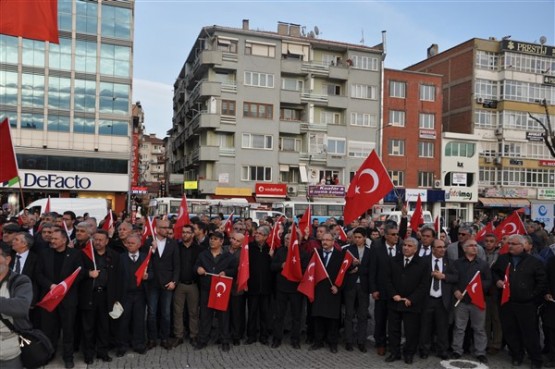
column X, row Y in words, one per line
column 543, row 40
column 316, row 30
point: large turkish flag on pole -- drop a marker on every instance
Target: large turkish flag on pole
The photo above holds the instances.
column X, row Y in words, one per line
column 370, row 184
column 33, row 19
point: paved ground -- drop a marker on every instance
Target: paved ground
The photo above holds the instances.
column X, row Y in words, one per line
column 259, row 356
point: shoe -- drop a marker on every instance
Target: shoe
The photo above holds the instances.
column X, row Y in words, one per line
column 315, row 346
column 236, row 342
column 166, row 344
column 409, row 359
column 482, row 358
column 69, row 364
column 264, row 341
column 174, row 342
column 550, row 364
column 309, row 340
column 443, row 356
column 200, row 346
column 536, row 365
column 380, row 351
column 140, row 350
column 362, row 347
column 89, row 360
column 120, row 352
column 151, row 344
column 193, row 341
column 424, row 355
column 391, row 358
column 516, row 362
column 250, row 341
column 296, row 345
column 349, row 347
column 333, row 349
column 276, row 343
column 456, row 355
column 492, row 351
column 104, row 357
column 225, row 347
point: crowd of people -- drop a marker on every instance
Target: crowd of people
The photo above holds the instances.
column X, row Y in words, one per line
column 415, row 279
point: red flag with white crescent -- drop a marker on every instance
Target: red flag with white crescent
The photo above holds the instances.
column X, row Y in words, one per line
column 489, row 228
column 305, row 222
column 243, row 270
column 506, row 294
column 142, row 268
column 292, row 269
column 51, row 300
column 228, row 226
column 345, row 265
column 220, row 291
column 417, row 218
column 182, row 219
column 476, row 292
column 315, row 272
column 341, row 234
column 511, row 225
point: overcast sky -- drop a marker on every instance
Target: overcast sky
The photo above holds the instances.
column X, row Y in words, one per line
column 165, row 32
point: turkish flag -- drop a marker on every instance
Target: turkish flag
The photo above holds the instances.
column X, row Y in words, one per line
column 489, row 228
column 47, row 206
column 504, row 249
column 33, row 19
column 142, row 268
column 148, row 230
column 243, row 270
column 511, row 225
column 345, row 265
column 506, row 295
column 342, row 235
column 370, row 184
column 228, row 226
column 182, row 219
column 292, row 268
column 417, row 218
column 314, row 274
column 8, row 169
column 89, row 251
column 437, row 226
column 305, row 222
column 108, row 221
column 220, row 291
column 475, row 291
column 274, row 238
column 51, row 300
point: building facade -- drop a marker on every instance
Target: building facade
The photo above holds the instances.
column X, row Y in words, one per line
column 69, row 104
column 492, row 89
column 273, row 107
column 152, row 164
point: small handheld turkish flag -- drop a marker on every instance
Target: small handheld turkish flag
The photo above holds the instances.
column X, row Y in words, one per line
column 51, row 300
column 220, row 291
column 417, row 218
column 315, row 273
column 476, row 292
column 182, row 219
column 142, row 268
column 292, row 268
column 511, row 225
column 489, row 228
column 243, row 270
column 506, row 295
column 228, row 226
column 345, row 265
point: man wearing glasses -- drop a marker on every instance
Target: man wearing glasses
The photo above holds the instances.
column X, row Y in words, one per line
column 456, row 251
column 528, row 284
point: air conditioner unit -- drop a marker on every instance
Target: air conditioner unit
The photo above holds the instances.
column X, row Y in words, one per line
column 437, row 183
column 489, row 159
column 479, row 100
column 498, row 160
column 292, row 190
column 499, row 131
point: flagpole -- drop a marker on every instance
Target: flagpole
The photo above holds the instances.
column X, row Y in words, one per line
column 21, row 192
column 217, row 275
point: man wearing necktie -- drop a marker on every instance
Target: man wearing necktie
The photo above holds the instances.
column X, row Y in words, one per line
column 438, row 303
column 427, row 237
column 26, row 262
column 407, row 281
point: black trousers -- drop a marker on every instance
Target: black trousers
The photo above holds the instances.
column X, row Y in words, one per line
column 295, row 300
column 96, row 330
column 207, row 315
column 326, row 329
column 132, row 327
column 237, row 310
column 356, row 303
column 520, row 330
column 259, row 316
column 63, row 319
column 411, row 323
column 434, row 319
column 380, row 325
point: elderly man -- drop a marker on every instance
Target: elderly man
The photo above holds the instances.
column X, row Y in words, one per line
column 455, row 250
column 124, row 230
column 42, row 238
column 26, row 262
column 9, row 231
column 528, row 284
column 83, row 233
column 238, row 300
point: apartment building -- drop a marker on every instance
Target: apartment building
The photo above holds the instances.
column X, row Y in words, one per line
column 69, row 103
column 495, row 90
column 152, row 164
column 286, row 108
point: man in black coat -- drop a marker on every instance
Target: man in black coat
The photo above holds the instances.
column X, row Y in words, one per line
column 356, row 290
column 549, row 313
column 55, row 265
column 380, row 254
column 407, row 281
column 438, row 303
column 326, row 308
column 28, row 265
column 528, row 284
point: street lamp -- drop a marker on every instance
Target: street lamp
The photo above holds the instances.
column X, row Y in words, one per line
column 377, row 138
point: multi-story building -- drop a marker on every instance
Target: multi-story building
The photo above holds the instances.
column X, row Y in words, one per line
column 69, row 104
column 411, row 149
column 152, row 164
column 490, row 89
column 273, row 107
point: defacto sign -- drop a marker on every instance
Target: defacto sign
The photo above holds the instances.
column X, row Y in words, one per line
column 271, row 190
column 71, row 181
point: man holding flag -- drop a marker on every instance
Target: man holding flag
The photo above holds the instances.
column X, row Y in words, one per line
column 473, row 279
column 527, row 285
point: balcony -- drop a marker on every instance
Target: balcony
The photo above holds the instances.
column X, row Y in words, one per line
column 230, row 87
column 339, row 72
column 306, row 156
column 204, row 120
column 209, row 153
column 205, row 89
column 319, row 127
column 290, row 126
column 316, row 68
column 226, row 151
column 309, row 96
column 291, row 66
column 290, row 97
column 205, row 59
column 288, row 157
column 336, row 101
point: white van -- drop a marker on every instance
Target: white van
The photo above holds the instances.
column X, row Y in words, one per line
column 396, row 216
column 97, row 208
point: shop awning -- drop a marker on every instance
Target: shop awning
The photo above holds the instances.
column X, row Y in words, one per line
column 518, row 203
column 494, row 202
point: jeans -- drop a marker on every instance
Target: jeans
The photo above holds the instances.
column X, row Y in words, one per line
column 157, row 297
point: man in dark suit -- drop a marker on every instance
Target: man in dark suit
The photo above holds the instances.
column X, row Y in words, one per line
column 56, row 264
column 438, row 303
column 165, row 266
column 326, row 307
column 381, row 252
column 356, row 291
column 97, row 295
column 407, row 281
column 427, row 237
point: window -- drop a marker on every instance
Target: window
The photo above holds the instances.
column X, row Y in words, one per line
column 227, row 45
column 290, row 114
column 255, row 110
column 512, row 149
column 485, row 119
column 397, row 89
column 256, row 79
column 425, row 179
column 253, row 173
column 360, row 149
column 226, row 141
column 64, row 16
column 33, row 53
column 86, row 17
column 331, row 89
column 291, row 84
column 58, row 123
column 252, row 141
column 427, row 93
column 397, row 118
column 32, row 90
column 112, row 127
column 59, row 93
column 363, row 91
column 115, row 60
column 427, row 121
column 527, row 92
column 260, row 49
column 71, row 164
column 85, row 95
column 291, row 176
column 336, row 146
column 425, row 149
column 397, row 177
column 290, row 144
column 486, row 89
column 487, row 176
column 59, row 56
column 8, row 88
column 330, row 117
column 528, row 63
column 228, row 107
column 364, row 62
column 364, row 120
column 114, row 98
column 486, row 60
column 8, row 49
column 528, row 177
column 83, row 125
column 316, row 143
column 396, row 147
column 116, row 22
column 462, row 149
column 32, row 121
column 85, row 56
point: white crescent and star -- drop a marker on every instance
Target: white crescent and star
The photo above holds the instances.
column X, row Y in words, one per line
column 514, row 228
column 474, row 285
column 223, row 288
column 372, row 173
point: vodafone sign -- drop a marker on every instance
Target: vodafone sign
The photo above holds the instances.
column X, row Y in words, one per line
column 270, row 190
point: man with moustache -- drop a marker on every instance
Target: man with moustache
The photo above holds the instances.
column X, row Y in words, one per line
column 238, row 300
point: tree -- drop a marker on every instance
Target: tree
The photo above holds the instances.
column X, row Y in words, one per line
column 549, row 134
